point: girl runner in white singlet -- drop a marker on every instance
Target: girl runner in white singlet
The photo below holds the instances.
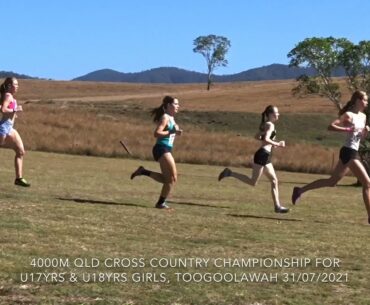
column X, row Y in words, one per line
column 352, row 122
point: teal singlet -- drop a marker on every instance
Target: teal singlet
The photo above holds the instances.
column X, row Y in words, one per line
column 168, row 140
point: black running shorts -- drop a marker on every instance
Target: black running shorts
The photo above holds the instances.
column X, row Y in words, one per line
column 160, row 150
column 262, row 157
column 346, row 154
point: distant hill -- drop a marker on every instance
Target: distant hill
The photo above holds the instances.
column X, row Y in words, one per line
column 271, row 72
column 175, row 75
column 157, row 75
column 4, row 74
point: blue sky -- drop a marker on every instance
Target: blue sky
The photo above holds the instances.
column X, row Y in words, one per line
column 65, row 39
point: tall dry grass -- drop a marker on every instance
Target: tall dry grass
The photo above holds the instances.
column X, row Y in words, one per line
column 91, row 118
column 72, row 131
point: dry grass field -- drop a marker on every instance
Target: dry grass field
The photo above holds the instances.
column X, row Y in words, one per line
column 59, row 237
column 91, row 118
column 243, row 96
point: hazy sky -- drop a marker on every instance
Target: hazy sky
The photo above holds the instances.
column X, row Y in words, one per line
column 64, row 39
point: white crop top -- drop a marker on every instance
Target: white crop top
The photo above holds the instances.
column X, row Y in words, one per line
column 353, row 138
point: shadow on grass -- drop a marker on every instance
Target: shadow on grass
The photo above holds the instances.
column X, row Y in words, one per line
column 199, row 205
column 304, row 183
column 264, row 217
column 354, row 185
column 90, row 201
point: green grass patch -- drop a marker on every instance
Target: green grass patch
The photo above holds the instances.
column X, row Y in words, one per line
column 83, row 210
column 294, row 128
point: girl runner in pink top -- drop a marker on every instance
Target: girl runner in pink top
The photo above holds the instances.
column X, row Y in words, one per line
column 8, row 135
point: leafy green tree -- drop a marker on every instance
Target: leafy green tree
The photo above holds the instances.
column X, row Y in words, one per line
column 325, row 55
column 321, row 54
column 214, row 49
column 355, row 59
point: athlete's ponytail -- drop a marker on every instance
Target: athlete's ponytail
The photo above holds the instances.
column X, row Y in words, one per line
column 158, row 112
column 5, row 87
column 265, row 115
column 357, row 95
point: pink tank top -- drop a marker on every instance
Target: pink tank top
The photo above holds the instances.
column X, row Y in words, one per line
column 13, row 105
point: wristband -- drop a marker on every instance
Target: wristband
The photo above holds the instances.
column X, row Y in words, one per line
column 349, row 129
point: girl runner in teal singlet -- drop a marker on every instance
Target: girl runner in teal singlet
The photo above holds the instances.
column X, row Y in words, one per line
column 166, row 131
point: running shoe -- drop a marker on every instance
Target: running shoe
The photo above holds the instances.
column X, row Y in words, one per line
column 225, row 173
column 138, row 172
column 281, row 209
column 22, row 182
column 296, row 195
column 162, row 206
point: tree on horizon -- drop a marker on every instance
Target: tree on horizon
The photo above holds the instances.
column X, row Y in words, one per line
column 214, row 49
